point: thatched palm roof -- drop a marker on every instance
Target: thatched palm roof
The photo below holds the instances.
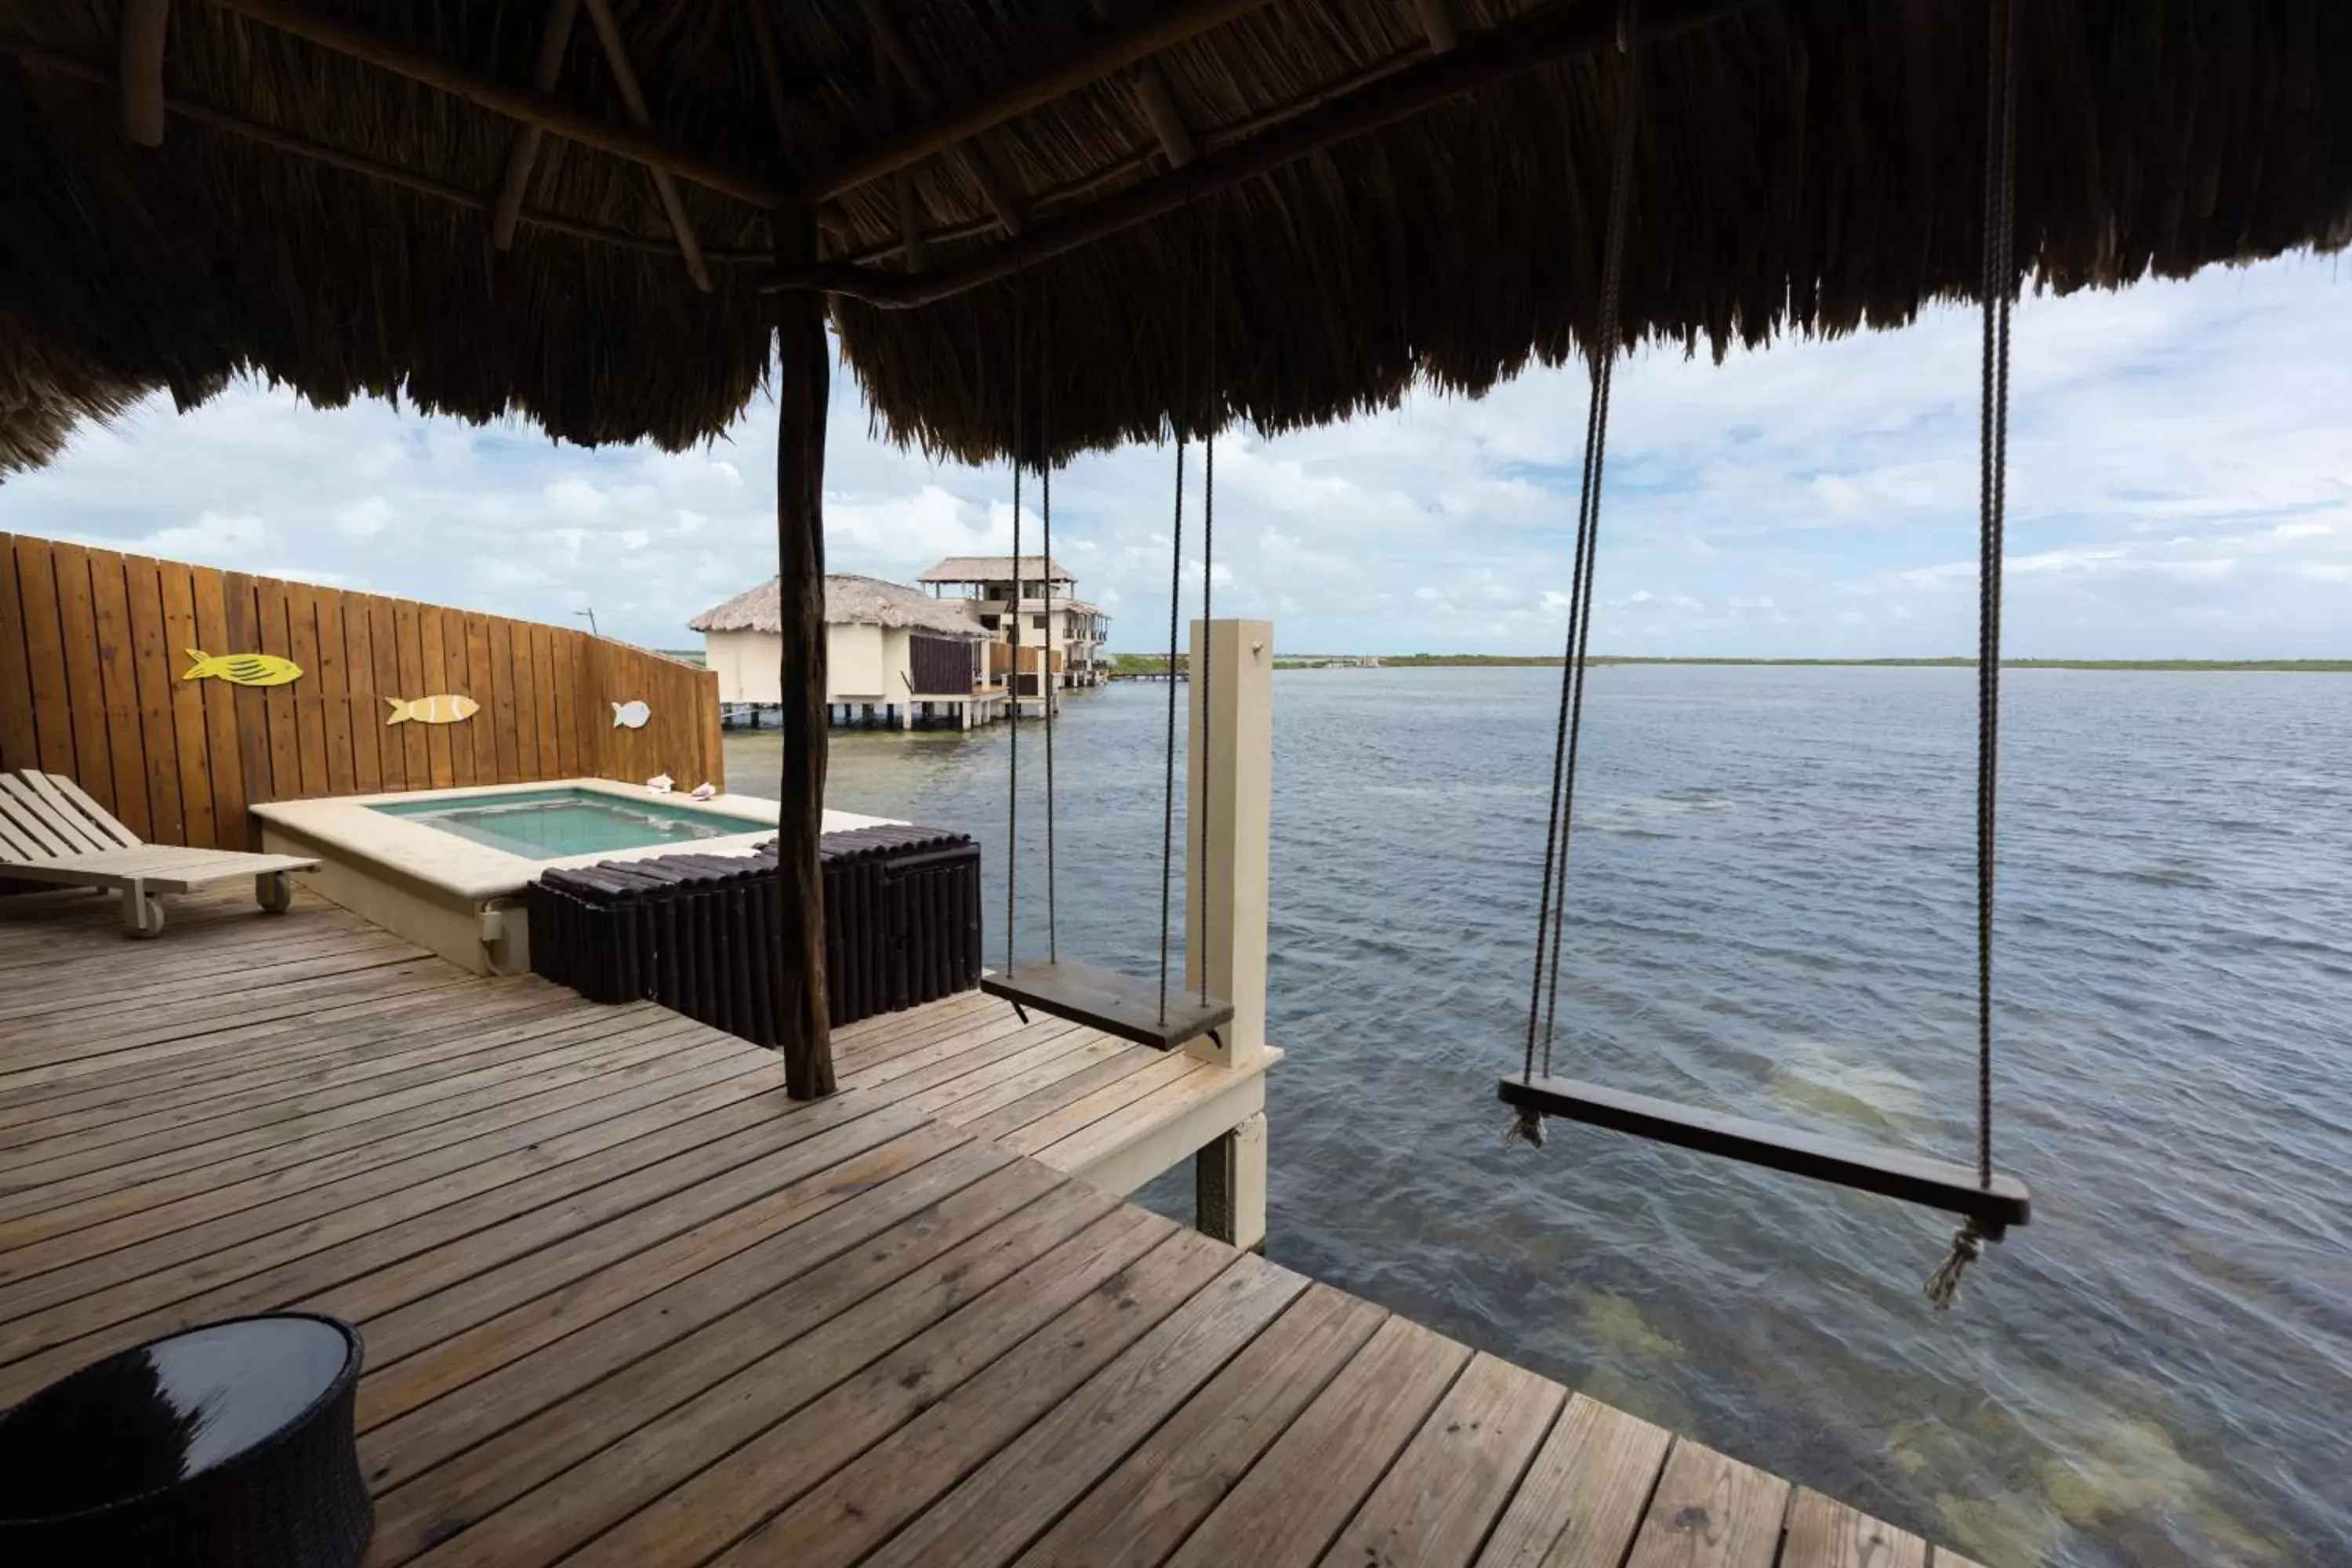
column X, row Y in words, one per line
column 849, row 600
column 327, row 221
column 995, row 569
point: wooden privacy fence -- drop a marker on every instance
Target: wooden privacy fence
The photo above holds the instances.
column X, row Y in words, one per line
column 94, row 647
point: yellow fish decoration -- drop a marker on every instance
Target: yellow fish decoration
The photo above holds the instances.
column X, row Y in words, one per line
column 445, row 707
column 242, row 668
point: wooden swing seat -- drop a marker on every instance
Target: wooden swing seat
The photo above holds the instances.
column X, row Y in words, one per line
column 1105, row 999
column 1932, row 1183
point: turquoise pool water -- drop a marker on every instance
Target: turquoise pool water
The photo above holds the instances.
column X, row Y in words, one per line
column 548, row 824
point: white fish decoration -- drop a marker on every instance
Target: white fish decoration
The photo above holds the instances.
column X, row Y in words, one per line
column 630, row 715
column 660, row 783
column 705, row 790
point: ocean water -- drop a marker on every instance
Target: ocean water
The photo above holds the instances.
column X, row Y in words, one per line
column 1772, row 914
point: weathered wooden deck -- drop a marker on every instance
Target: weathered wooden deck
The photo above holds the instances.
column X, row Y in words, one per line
column 626, row 1303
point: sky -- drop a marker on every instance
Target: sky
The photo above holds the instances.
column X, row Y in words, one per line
column 2181, row 487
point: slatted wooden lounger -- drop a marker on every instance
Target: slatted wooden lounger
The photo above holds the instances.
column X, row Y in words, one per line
column 51, row 831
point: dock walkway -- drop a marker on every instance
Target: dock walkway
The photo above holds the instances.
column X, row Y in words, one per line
column 626, row 1303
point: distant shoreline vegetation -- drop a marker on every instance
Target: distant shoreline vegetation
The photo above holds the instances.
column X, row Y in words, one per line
column 1553, row 661
column 1154, row 663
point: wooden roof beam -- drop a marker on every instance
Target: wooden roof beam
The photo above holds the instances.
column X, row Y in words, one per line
column 1137, row 41
column 1156, row 103
column 974, row 161
column 345, row 37
column 522, row 154
column 1436, row 25
column 633, row 99
column 1482, row 60
column 140, row 52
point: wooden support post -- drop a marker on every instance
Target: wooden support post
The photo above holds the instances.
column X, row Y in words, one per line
column 1229, row 1186
column 1225, row 876
column 804, row 381
column 141, row 57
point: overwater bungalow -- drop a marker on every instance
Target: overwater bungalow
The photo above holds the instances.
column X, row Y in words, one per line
column 892, row 654
column 632, row 1287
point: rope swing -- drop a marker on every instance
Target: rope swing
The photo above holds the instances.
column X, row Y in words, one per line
column 1116, row 1004
column 1988, row 1202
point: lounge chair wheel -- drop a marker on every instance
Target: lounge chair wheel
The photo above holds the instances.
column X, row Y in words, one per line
column 142, row 914
column 274, row 891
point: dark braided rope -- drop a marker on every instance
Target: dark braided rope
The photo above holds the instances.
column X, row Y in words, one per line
column 1207, row 687
column 1175, row 594
column 1012, row 678
column 1045, row 681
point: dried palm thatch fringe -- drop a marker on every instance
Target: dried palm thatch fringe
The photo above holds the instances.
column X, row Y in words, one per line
column 1814, row 167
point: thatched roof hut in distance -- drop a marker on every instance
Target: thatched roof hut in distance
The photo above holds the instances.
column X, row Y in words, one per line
column 849, row 600
column 1280, row 211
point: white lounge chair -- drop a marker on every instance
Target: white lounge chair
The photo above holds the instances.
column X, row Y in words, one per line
column 51, row 831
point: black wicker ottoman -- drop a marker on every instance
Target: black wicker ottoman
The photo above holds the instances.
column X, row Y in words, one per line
column 227, row 1444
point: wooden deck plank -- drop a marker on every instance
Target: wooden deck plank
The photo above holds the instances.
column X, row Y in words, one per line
column 1433, row 1507
column 1826, row 1533
column 268, row 1168
column 1027, row 1483
column 1710, row 1511
column 1135, row 1516
column 758, row 1355
column 1113, row 1098
column 56, row 1009
column 1583, row 1497
column 726, row 1500
column 858, row 1506
column 531, row 1198
column 214, row 1213
column 1303, row 1492
column 1015, row 1114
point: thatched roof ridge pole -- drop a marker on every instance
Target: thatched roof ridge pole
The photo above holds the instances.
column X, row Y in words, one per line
column 633, row 99
column 1138, row 41
column 804, row 382
column 523, row 156
column 422, row 66
column 141, row 51
column 1481, row 61
column 974, row 162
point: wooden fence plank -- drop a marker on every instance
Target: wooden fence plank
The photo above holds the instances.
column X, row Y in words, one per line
column 501, row 706
column 241, row 597
column 82, row 693
column 20, row 745
column 151, row 674
column 273, row 612
column 569, row 715
column 390, row 743
column 366, row 708
column 334, row 678
column 433, row 669
column 309, row 709
column 408, row 645
column 481, row 730
column 459, row 659
column 177, row 585
column 526, row 703
column 595, row 739
column 543, row 706
column 714, row 745
column 53, row 730
column 232, row 827
column 118, row 671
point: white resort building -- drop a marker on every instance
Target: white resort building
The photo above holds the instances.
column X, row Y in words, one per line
column 899, row 657
column 993, row 591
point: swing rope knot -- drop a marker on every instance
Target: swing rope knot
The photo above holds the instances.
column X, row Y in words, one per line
column 1526, row 1128
column 1968, row 1245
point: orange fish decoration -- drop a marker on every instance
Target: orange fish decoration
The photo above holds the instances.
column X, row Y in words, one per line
column 443, row 708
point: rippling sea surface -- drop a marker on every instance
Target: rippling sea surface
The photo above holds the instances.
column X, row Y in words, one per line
column 1772, row 914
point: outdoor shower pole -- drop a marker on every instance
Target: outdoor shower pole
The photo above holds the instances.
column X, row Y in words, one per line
column 804, row 381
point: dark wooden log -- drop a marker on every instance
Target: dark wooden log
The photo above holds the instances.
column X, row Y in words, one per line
column 144, row 23
column 804, row 381
column 1887, row 1172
